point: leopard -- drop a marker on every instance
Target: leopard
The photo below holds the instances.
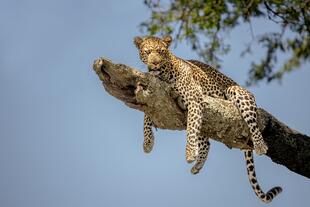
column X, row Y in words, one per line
column 212, row 83
column 192, row 80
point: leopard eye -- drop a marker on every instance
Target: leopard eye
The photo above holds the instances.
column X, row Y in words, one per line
column 161, row 50
column 147, row 51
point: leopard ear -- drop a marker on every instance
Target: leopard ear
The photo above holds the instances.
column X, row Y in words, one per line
column 167, row 39
column 138, row 40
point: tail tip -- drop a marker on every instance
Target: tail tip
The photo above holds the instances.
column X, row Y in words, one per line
column 276, row 190
column 272, row 193
column 279, row 189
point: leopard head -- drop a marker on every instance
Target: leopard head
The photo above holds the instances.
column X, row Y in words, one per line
column 153, row 51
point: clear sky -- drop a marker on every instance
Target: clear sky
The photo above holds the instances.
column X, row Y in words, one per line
column 65, row 142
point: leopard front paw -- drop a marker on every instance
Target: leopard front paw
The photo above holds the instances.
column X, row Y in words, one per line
column 148, row 146
column 190, row 159
column 190, row 154
column 195, row 170
column 197, row 167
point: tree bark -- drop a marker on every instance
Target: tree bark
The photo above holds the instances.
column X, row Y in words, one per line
column 222, row 121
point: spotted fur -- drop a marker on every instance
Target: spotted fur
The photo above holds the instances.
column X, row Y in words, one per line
column 265, row 197
column 151, row 52
column 203, row 150
column 148, row 142
column 192, row 80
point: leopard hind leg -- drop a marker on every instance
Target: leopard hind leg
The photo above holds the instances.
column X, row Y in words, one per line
column 203, row 150
column 246, row 105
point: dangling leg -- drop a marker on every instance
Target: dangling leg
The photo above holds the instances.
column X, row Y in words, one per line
column 148, row 142
column 203, row 150
column 194, row 121
column 245, row 102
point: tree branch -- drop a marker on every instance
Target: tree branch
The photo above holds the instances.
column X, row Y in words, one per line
column 222, row 121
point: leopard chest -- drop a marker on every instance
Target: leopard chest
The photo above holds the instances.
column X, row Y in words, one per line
column 187, row 88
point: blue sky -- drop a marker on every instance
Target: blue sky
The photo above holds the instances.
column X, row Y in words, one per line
column 65, row 142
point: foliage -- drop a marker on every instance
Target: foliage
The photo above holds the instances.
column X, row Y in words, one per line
column 203, row 23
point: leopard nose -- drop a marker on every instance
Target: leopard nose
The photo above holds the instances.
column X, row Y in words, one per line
column 156, row 62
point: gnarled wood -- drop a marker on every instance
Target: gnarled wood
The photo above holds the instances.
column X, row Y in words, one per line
column 222, row 121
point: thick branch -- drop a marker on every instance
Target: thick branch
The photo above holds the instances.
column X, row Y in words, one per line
column 222, row 121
